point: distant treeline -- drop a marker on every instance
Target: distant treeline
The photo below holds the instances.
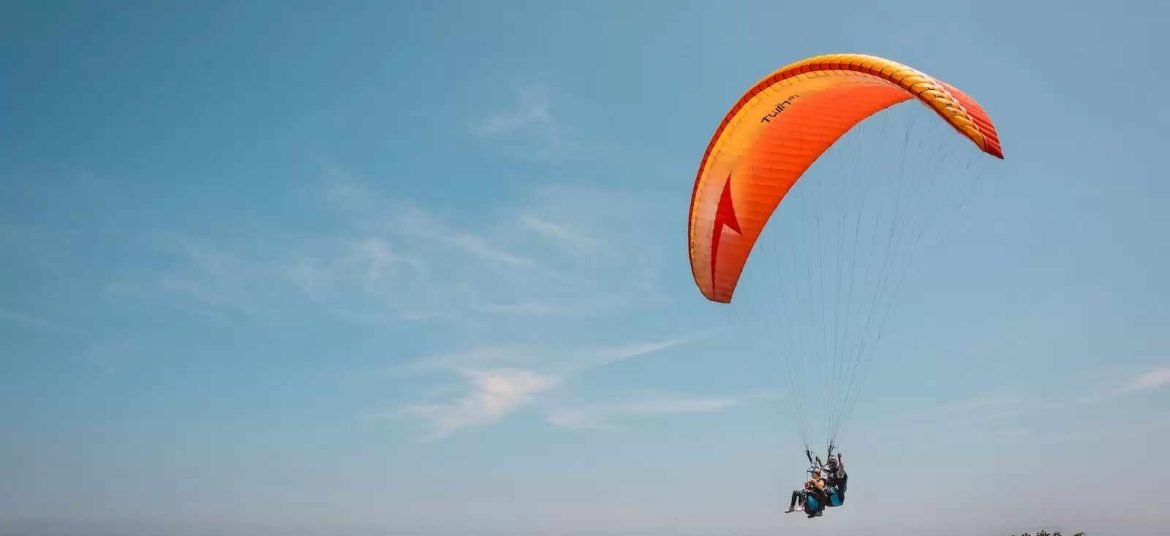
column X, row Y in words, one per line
column 1046, row 533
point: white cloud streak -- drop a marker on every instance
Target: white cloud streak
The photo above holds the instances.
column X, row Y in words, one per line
column 483, row 249
column 529, row 308
column 528, row 129
column 560, row 234
column 611, row 355
column 1155, row 379
column 213, row 276
column 496, row 391
column 531, row 110
column 493, row 394
column 394, row 261
column 603, row 416
column 1038, row 408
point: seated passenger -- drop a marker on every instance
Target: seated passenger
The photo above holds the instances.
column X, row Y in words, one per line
column 812, row 498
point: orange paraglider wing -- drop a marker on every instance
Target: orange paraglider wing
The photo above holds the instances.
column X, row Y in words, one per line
column 778, row 129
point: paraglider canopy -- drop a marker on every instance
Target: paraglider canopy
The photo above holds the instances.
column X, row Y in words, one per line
column 778, row 128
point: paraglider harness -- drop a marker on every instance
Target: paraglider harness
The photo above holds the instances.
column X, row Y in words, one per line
column 836, row 480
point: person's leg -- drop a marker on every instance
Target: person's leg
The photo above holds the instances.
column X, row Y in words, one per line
column 797, row 495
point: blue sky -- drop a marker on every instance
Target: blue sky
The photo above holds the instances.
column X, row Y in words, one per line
column 400, row 268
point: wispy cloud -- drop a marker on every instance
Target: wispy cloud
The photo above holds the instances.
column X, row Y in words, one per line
column 545, row 228
column 1109, row 430
column 605, row 416
column 479, row 357
column 1147, row 381
column 483, row 249
column 982, row 407
column 610, row 355
column 361, row 278
column 1123, row 384
column 212, row 275
column 994, row 401
column 558, row 360
column 493, row 394
column 407, row 222
column 560, row 234
column 528, row 129
column 528, row 308
column 391, row 260
column 1038, row 407
column 497, row 369
column 530, row 111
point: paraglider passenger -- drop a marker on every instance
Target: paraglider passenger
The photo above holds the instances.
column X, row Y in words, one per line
column 815, row 486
